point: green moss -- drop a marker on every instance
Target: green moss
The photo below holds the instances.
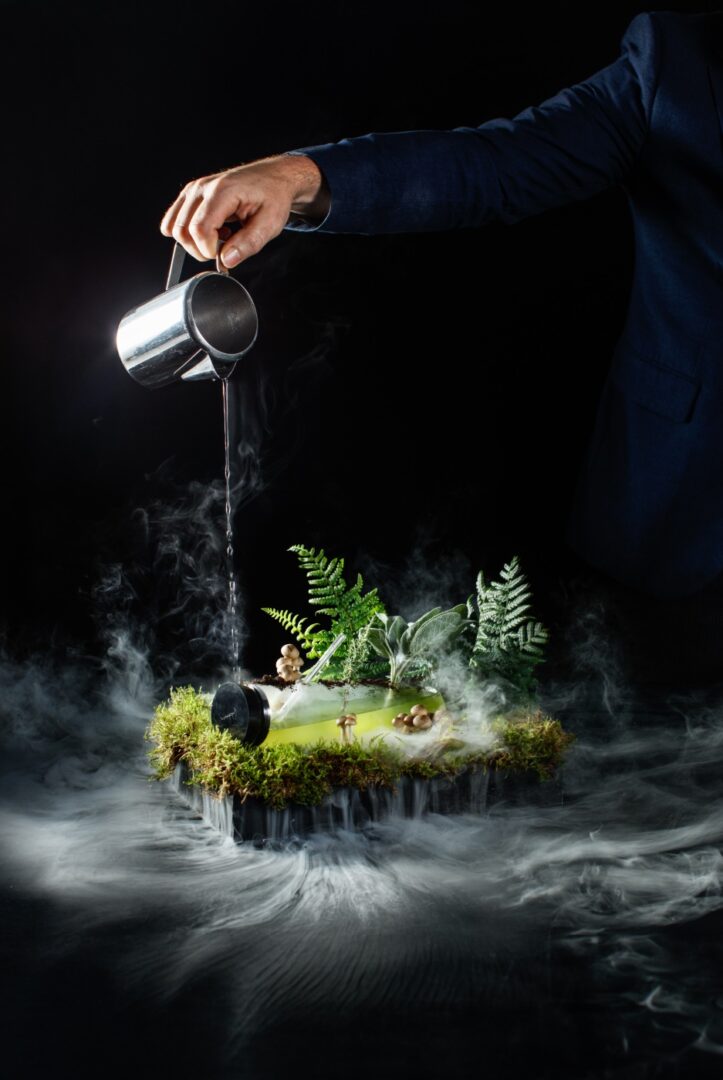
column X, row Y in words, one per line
column 531, row 742
column 181, row 730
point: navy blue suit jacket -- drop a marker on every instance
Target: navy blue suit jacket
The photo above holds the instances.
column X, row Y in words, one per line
column 649, row 503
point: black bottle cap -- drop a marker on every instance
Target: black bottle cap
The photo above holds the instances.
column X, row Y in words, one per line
column 242, row 710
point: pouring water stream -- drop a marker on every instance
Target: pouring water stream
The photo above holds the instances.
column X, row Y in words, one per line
column 230, row 570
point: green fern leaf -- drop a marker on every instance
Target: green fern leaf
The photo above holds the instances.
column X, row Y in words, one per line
column 348, row 609
column 305, row 633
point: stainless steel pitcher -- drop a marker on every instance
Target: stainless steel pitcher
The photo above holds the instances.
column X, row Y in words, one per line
column 197, row 329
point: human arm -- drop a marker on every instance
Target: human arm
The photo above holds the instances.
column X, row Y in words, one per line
column 261, row 196
column 575, row 144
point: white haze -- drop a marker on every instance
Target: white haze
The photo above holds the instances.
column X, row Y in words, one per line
column 336, row 921
column 599, row 902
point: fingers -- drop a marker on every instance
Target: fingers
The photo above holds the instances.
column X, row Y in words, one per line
column 196, row 219
column 254, row 195
column 170, row 215
column 258, row 228
column 181, row 232
column 176, row 220
column 218, row 204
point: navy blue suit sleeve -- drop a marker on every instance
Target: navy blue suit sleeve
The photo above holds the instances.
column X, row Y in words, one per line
column 585, row 138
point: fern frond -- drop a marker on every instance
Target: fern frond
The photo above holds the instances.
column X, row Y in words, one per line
column 508, row 641
column 348, row 609
column 304, row 632
column 325, row 579
column 531, row 637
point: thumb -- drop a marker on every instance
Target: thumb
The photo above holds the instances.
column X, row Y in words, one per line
column 260, row 227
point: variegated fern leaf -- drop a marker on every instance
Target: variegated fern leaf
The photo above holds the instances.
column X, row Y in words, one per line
column 508, row 641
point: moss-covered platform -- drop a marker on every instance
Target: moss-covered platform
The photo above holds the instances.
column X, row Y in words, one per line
column 250, row 820
column 262, row 793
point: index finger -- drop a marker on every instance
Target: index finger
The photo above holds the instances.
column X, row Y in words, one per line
column 169, row 218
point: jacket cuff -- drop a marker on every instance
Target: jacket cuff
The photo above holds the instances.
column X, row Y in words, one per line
column 300, row 222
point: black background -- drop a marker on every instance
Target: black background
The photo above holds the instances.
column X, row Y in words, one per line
column 417, row 401
column 419, row 404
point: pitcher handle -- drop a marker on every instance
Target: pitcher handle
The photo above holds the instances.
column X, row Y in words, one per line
column 176, row 267
column 177, row 259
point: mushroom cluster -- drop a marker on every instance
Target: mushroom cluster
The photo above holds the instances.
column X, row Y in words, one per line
column 418, row 718
column 288, row 666
column 345, row 725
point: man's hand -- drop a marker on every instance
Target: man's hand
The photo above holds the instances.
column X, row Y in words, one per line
column 260, row 196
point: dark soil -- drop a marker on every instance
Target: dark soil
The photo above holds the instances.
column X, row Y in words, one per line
column 276, row 680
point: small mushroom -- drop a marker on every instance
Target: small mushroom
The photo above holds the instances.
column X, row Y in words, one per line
column 422, row 722
column 289, row 664
column 418, row 710
column 286, row 671
column 398, row 720
column 345, row 724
